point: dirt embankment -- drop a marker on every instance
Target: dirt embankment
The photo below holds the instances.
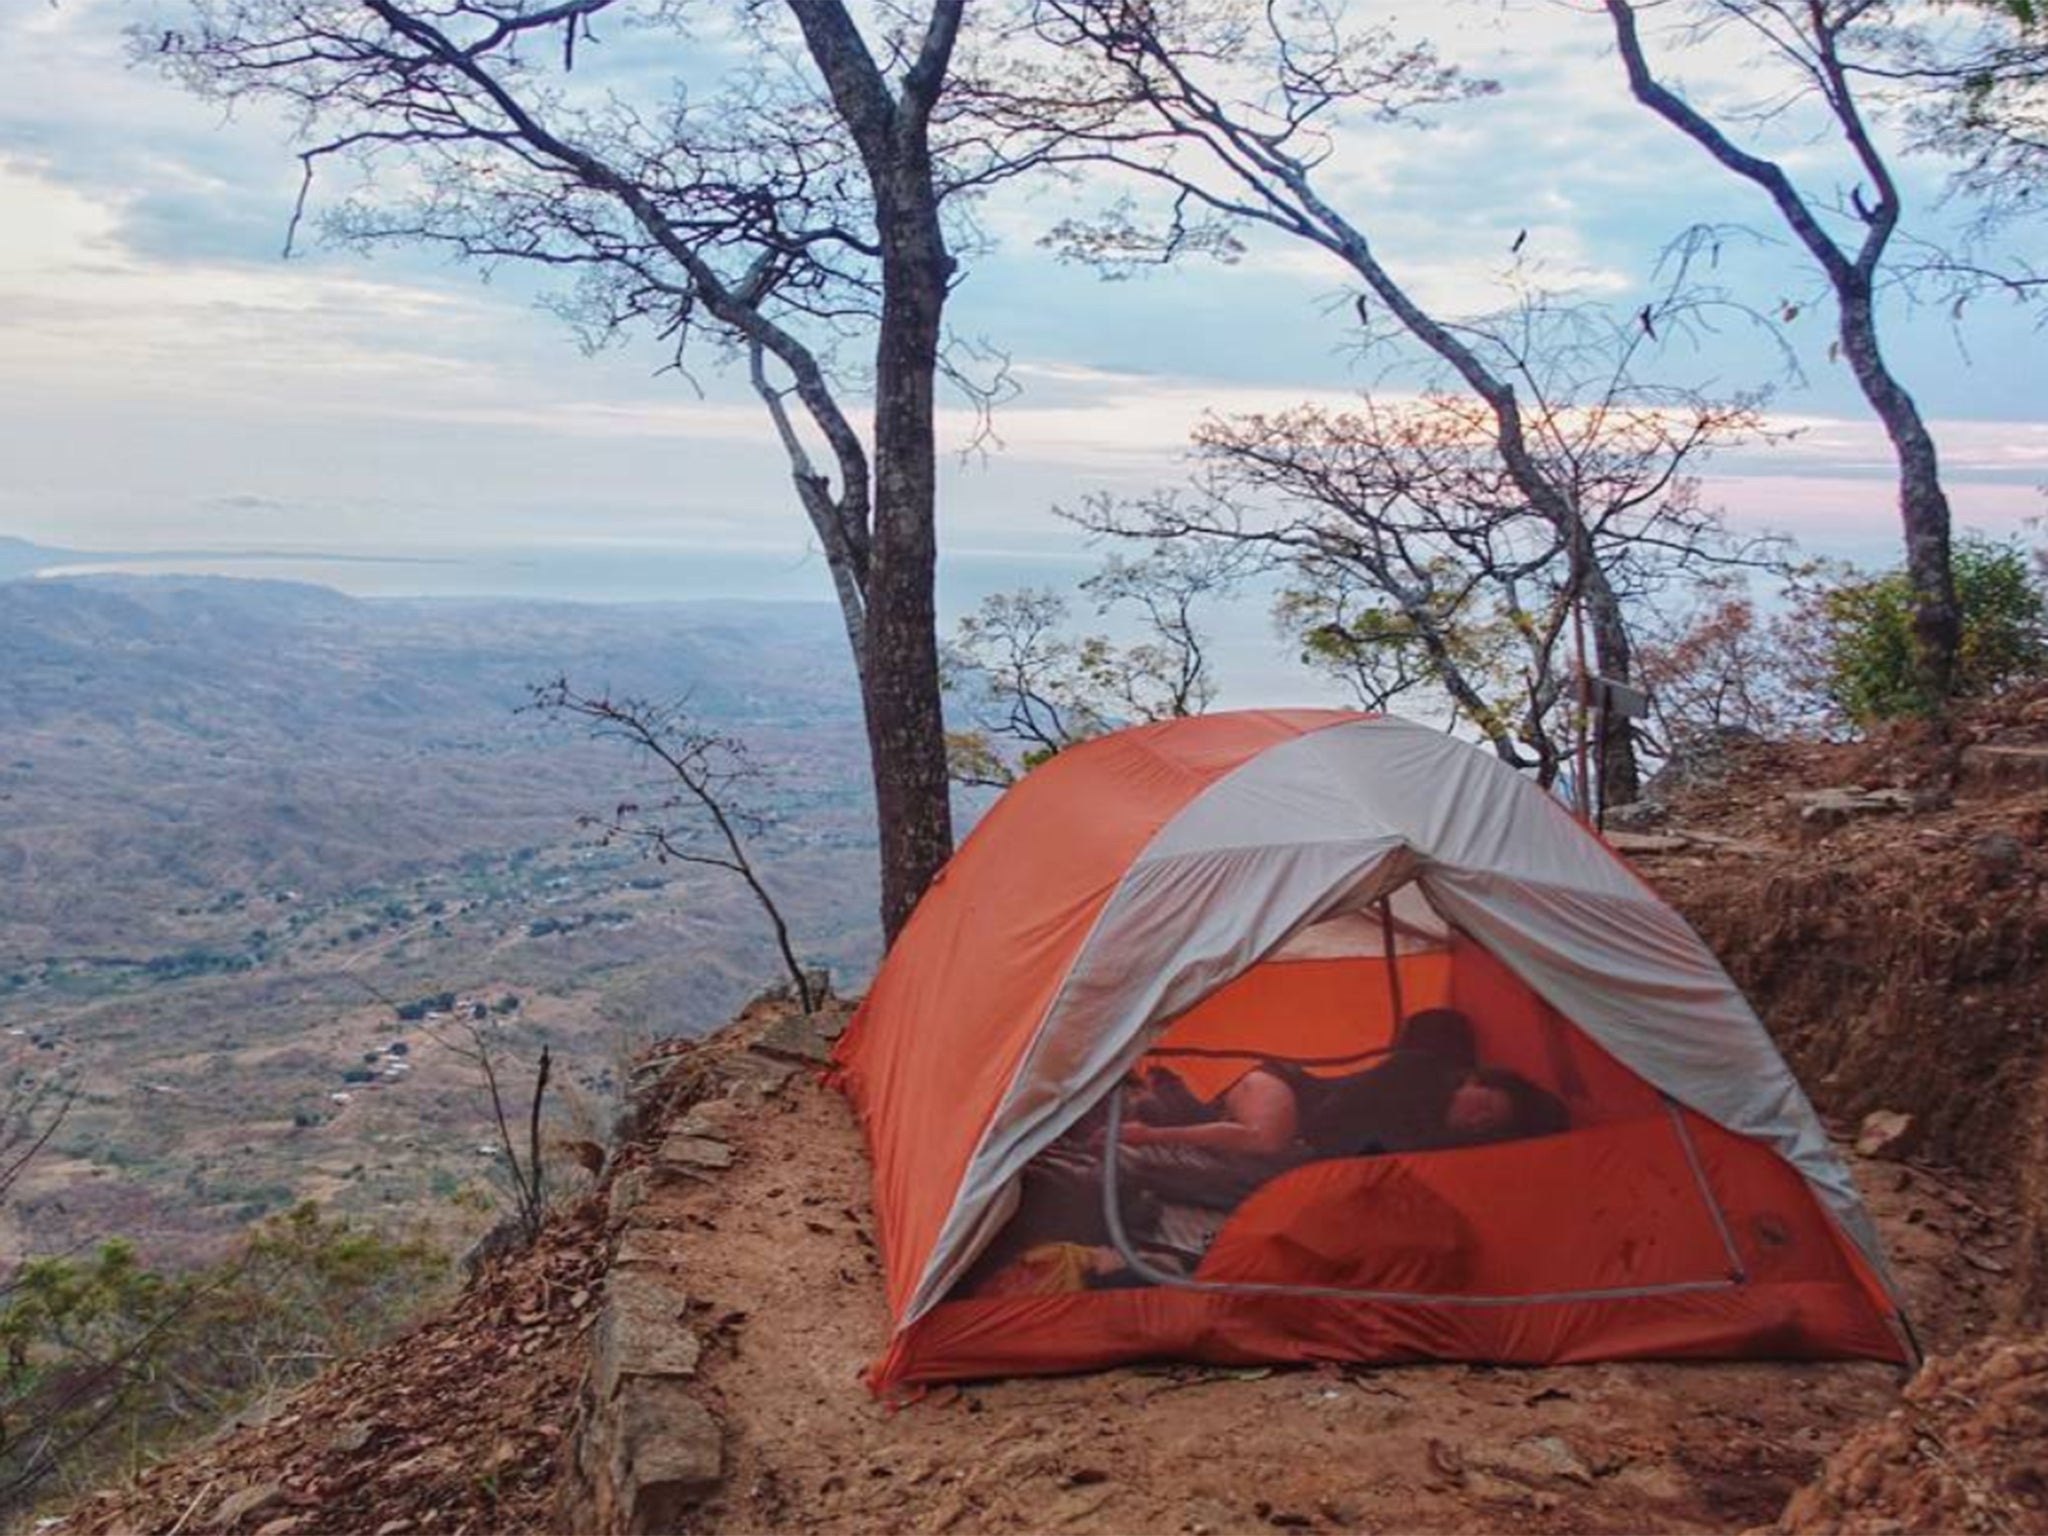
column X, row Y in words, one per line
column 1898, row 952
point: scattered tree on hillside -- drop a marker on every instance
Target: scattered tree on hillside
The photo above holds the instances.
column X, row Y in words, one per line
column 1720, row 667
column 1829, row 50
column 1032, row 690
column 527, row 1173
column 699, row 815
column 785, row 201
column 33, row 1106
column 105, row 1362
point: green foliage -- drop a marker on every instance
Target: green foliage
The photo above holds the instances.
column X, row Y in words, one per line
column 1870, row 670
column 104, row 1362
column 1369, row 645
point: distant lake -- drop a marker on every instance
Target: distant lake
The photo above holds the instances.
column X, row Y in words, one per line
column 1254, row 666
column 572, row 573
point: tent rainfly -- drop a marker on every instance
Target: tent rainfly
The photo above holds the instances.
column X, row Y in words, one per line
column 1264, row 896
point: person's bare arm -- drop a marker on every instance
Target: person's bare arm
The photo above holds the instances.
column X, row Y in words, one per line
column 1257, row 1116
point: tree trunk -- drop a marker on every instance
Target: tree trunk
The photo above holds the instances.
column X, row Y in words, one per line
column 906, row 730
column 1614, row 659
column 1923, row 506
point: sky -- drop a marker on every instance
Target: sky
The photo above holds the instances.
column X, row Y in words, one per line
column 168, row 380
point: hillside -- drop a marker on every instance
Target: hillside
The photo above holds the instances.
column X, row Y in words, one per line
column 745, row 1250
column 239, row 820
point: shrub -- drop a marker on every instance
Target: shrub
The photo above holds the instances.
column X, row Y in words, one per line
column 104, row 1361
column 1869, row 670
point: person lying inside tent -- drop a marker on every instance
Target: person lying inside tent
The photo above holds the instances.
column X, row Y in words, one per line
column 1427, row 1094
column 1182, row 1165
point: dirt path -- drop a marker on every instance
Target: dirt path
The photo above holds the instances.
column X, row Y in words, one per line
column 783, row 1283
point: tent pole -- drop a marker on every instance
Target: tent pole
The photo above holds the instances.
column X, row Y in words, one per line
column 1393, row 962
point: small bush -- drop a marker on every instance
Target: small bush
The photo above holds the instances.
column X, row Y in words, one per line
column 104, row 1362
column 1870, row 653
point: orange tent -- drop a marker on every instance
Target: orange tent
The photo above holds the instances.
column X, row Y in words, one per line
column 1276, row 891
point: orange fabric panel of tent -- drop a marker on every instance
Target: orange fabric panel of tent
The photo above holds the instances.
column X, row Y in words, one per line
column 1091, row 1330
column 1299, row 1009
column 1614, row 1204
column 1599, row 1209
column 971, row 977
column 1616, row 1208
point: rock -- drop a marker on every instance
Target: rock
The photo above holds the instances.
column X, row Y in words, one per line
column 716, row 1118
column 640, row 1333
column 244, row 1502
column 1998, row 857
column 686, row 1151
column 665, row 1455
column 1641, row 844
column 796, row 1037
column 1547, row 1456
column 351, row 1437
column 1638, row 816
column 641, row 1246
column 1532, row 1459
column 1987, row 767
column 1700, row 761
column 1884, row 1133
column 629, row 1189
column 769, row 1077
column 1820, row 811
column 647, row 1074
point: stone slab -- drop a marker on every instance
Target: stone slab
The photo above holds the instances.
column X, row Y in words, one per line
column 641, row 1333
column 686, row 1151
column 667, row 1455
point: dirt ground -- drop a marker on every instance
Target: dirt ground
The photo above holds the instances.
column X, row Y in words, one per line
column 464, row 1425
column 782, row 1275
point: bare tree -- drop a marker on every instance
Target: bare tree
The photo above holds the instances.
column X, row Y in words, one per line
column 1166, row 675
column 1032, row 689
column 1231, row 108
column 528, row 1173
column 1017, row 672
column 1718, row 667
column 1974, row 79
column 1821, row 44
column 698, row 817
column 33, row 1107
column 1412, row 560
column 780, row 212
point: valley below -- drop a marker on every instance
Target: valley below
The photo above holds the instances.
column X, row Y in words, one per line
column 278, row 862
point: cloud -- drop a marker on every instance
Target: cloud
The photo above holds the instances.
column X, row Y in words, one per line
column 165, row 377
